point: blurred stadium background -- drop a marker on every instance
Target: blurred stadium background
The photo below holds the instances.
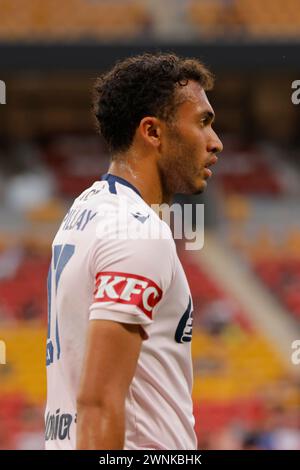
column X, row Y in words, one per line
column 245, row 282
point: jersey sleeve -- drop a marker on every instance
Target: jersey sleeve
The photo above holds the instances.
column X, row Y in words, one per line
column 130, row 280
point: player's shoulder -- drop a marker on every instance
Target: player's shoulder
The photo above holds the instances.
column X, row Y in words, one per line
column 93, row 194
column 119, row 206
column 113, row 211
column 129, row 218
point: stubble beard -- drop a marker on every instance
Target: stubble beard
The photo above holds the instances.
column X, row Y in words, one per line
column 178, row 167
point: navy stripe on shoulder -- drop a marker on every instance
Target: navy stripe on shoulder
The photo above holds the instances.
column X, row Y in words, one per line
column 113, row 179
column 111, row 183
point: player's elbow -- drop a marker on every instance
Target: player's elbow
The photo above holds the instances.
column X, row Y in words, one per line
column 109, row 402
column 104, row 411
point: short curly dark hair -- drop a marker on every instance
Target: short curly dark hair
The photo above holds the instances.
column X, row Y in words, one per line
column 142, row 86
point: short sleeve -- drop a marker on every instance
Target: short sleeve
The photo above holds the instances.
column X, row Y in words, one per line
column 130, row 279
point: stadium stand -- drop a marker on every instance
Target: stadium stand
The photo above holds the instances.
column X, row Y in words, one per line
column 245, row 18
column 262, row 222
column 52, row 20
column 239, row 374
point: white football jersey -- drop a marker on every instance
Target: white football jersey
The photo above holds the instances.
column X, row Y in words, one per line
column 105, row 267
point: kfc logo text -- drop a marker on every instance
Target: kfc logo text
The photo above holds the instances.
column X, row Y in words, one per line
column 127, row 289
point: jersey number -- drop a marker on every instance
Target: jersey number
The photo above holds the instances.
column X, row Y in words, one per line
column 61, row 256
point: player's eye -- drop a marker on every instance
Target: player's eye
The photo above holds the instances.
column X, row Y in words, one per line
column 204, row 122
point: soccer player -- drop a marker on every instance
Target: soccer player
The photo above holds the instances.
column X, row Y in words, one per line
column 119, row 369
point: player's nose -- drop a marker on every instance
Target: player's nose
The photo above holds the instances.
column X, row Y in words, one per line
column 215, row 144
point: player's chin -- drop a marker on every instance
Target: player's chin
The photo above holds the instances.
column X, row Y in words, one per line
column 199, row 185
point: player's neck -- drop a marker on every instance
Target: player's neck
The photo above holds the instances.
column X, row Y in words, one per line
column 144, row 177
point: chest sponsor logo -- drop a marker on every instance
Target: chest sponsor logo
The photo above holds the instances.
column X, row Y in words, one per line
column 128, row 289
column 185, row 326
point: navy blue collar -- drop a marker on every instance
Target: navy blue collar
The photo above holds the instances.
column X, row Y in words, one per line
column 113, row 179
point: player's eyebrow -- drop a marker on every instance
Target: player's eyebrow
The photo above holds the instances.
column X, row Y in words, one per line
column 207, row 115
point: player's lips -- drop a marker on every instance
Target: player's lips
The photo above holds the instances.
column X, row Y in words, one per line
column 210, row 162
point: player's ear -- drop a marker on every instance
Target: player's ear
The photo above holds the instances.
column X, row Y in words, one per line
column 150, row 129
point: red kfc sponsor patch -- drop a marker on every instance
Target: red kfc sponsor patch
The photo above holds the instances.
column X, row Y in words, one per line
column 128, row 289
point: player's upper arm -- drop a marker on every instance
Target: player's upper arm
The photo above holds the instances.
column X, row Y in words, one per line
column 112, row 351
